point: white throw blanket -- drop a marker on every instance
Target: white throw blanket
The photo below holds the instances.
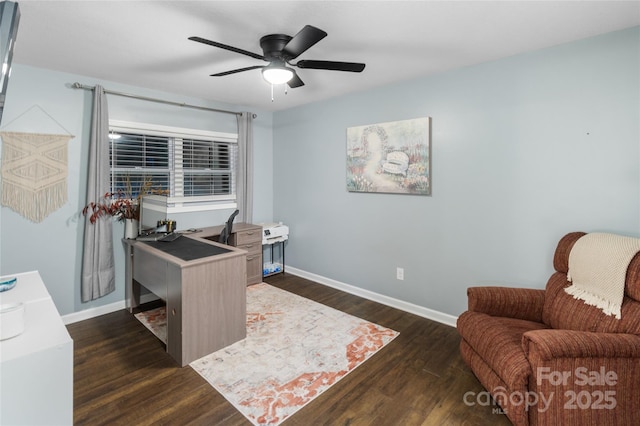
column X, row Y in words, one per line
column 598, row 265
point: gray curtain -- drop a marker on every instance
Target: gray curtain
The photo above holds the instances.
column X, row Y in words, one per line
column 98, row 273
column 244, row 189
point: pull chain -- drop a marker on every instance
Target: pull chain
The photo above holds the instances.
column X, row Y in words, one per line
column 285, row 91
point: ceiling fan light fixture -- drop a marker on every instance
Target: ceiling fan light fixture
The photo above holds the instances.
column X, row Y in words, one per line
column 277, row 74
column 278, row 50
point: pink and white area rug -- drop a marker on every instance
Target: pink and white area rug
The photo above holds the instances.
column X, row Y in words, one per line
column 156, row 321
column 295, row 350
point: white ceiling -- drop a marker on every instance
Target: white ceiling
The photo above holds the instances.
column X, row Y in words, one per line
column 144, row 43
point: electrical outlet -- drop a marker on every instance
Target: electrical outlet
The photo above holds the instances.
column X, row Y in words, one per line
column 400, row 273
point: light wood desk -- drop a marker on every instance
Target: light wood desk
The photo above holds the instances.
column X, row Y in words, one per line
column 246, row 236
column 205, row 297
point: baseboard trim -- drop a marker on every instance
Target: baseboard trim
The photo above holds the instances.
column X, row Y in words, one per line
column 431, row 314
column 103, row 310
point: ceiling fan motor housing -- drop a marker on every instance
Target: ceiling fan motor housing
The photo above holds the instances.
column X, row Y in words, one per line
column 272, row 46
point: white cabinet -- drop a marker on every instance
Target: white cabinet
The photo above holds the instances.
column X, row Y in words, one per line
column 36, row 367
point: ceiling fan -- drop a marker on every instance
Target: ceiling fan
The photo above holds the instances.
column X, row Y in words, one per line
column 279, row 50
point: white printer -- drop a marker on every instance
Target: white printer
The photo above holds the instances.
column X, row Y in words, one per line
column 274, row 233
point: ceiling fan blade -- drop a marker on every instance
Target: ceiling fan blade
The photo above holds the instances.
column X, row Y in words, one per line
column 306, row 37
column 331, row 65
column 295, row 81
column 221, row 74
column 226, row 47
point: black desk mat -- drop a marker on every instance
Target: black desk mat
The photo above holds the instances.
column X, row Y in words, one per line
column 187, row 248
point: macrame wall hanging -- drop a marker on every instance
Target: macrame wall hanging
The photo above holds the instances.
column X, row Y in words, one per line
column 34, row 171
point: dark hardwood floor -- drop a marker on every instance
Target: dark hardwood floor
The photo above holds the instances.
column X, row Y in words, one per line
column 123, row 376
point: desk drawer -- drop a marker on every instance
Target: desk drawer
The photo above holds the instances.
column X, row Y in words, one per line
column 248, row 236
column 254, row 267
column 251, row 247
column 251, row 241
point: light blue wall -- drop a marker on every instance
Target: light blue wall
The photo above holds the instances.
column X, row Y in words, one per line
column 524, row 150
column 53, row 246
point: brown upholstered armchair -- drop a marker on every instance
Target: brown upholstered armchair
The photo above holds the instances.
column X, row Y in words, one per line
column 550, row 359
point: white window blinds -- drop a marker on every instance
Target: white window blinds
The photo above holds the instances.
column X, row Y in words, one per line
column 208, row 167
column 136, row 158
column 188, row 165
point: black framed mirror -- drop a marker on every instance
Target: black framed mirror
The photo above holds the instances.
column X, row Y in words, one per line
column 9, row 19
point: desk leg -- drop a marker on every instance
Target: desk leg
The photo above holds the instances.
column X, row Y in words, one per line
column 131, row 287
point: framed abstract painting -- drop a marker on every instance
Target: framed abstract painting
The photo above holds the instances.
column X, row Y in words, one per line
column 392, row 158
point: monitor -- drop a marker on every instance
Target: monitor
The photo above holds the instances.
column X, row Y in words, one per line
column 150, row 213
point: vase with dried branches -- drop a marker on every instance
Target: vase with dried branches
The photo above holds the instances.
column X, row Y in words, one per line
column 124, row 205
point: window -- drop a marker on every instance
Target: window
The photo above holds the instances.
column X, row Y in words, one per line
column 207, row 167
column 191, row 167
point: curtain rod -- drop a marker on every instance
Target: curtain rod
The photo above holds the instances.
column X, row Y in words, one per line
column 144, row 98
